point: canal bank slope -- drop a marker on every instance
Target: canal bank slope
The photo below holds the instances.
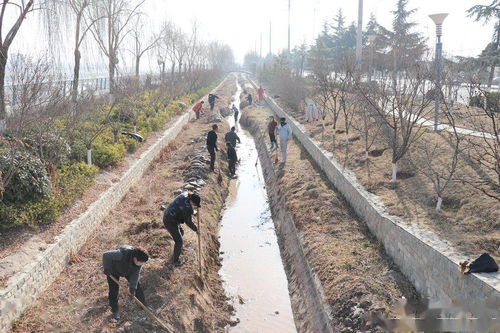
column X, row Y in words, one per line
column 346, row 273
column 77, row 300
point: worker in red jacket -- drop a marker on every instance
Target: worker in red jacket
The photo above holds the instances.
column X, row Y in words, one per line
column 260, row 94
column 198, row 108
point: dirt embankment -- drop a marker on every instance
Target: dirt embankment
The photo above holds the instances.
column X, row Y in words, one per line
column 356, row 276
column 77, row 301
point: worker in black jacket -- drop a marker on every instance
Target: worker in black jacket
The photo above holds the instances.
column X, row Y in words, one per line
column 125, row 262
column 180, row 211
column 249, row 99
column 236, row 112
column 232, row 137
column 211, row 100
column 212, row 145
column 232, row 158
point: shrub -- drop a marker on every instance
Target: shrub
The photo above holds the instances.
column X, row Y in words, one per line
column 78, row 151
column 29, row 179
column 37, row 212
column 105, row 155
column 74, row 179
column 50, row 148
column 492, row 101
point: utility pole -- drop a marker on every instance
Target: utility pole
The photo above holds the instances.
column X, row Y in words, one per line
column 359, row 36
column 270, row 34
column 289, row 26
column 314, row 19
column 260, row 53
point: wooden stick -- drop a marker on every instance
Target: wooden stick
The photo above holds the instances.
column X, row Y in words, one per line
column 149, row 312
column 199, row 242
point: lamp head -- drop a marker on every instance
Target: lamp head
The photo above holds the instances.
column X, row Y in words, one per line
column 438, row 20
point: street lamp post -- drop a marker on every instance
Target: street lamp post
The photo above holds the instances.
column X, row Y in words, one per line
column 438, row 20
column 359, row 37
column 371, row 40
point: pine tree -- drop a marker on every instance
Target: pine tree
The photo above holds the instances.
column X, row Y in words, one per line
column 407, row 46
column 491, row 54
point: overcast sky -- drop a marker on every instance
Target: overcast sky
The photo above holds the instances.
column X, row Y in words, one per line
column 240, row 23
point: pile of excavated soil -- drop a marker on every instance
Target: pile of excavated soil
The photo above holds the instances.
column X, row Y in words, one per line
column 357, row 276
column 77, row 300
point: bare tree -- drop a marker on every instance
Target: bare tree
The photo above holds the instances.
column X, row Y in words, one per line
column 401, row 108
column 369, row 126
column 117, row 16
column 83, row 23
column 434, row 161
column 39, row 102
column 69, row 12
column 19, row 9
column 141, row 43
column 484, row 149
column 327, row 87
column 167, row 46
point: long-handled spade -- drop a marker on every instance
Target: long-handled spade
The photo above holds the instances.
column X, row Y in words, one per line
column 219, row 176
column 199, row 242
column 149, row 312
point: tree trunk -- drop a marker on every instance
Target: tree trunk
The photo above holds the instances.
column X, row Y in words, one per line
column 438, row 203
column 334, row 136
column 137, row 64
column 492, row 74
column 3, row 111
column 89, row 154
column 394, row 171
column 76, row 78
column 367, row 164
column 111, row 70
column 494, row 64
column 115, row 136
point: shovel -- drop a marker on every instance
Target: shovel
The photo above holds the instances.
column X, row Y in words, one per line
column 149, row 312
column 199, row 243
column 219, row 176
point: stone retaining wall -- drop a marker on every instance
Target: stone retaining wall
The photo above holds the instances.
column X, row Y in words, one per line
column 23, row 288
column 430, row 263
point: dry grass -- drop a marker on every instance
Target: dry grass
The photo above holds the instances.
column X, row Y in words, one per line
column 351, row 264
column 469, row 219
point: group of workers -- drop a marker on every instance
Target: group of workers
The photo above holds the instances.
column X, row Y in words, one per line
column 127, row 261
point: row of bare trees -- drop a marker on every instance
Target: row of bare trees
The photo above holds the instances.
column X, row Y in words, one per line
column 393, row 115
column 117, row 27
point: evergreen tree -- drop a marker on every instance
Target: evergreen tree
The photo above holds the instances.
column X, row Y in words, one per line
column 491, row 54
column 407, row 46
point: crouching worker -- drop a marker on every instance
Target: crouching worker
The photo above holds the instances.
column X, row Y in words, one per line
column 125, row 262
column 232, row 158
column 180, row 211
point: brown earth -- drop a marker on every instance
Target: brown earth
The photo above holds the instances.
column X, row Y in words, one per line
column 468, row 218
column 77, row 300
column 356, row 275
